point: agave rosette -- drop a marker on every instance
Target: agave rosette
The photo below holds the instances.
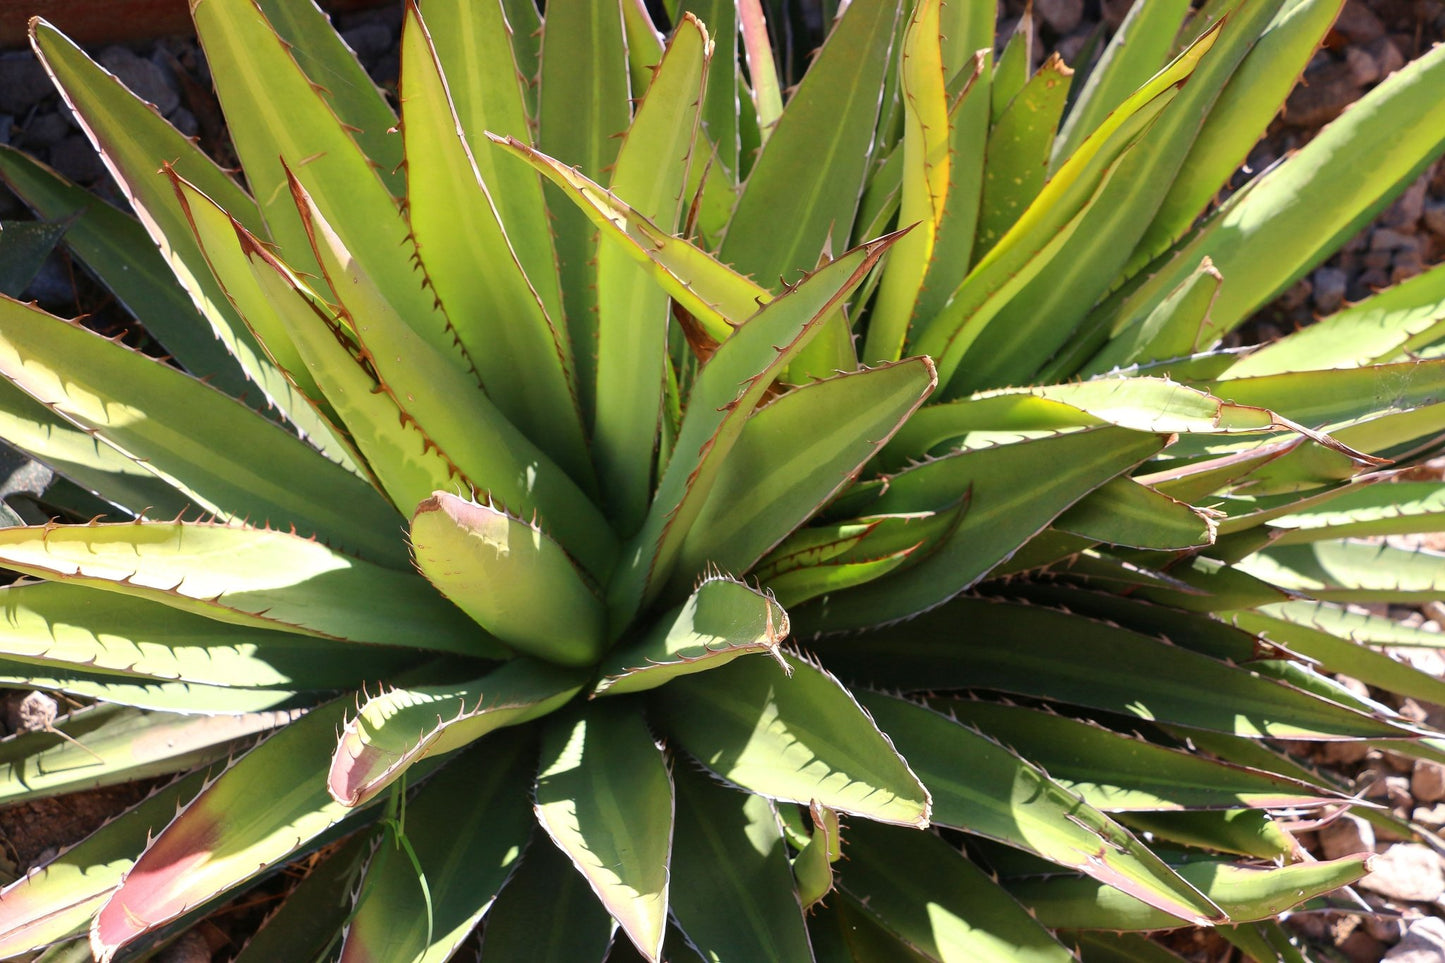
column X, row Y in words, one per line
column 501, row 455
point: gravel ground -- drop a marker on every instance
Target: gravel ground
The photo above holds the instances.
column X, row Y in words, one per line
column 1371, row 39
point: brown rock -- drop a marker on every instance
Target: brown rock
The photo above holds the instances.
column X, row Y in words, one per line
column 1427, row 783
column 1346, row 836
column 1407, row 871
column 1361, row 947
column 1358, row 23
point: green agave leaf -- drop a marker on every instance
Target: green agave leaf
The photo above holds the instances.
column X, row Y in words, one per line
column 843, row 933
column 1117, row 772
column 520, row 351
column 283, row 127
column 1124, row 512
column 1344, row 655
column 1333, row 397
column 797, row 737
column 796, row 454
column 930, row 896
column 359, row 105
column 1359, row 627
column 1244, row 892
column 438, row 869
column 1026, row 248
column 167, row 420
column 1351, row 571
column 58, row 899
column 1011, row 72
column 1142, row 44
column 925, row 181
column 106, row 745
column 1094, row 946
column 184, row 697
column 408, row 464
column 1019, row 144
column 1027, row 650
column 820, row 560
column 1171, row 329
column 1141, row 404
column 247, row 576
column 1015, row 490
column 545, row 912
column 813, row 866
column 451, row 408
column 1360, row 511
column 1267, row 217
column 75, row 453
column 1248, row 832
column 261, row 809
column 721, row 620
column 583, row 48
column 25, row 245
column 1246, row 105
column 632, row 311
column 982, row 787
column 1265, row 939
column 605, row 797
column 307, row 923
column 117, row 249
column 767, row 94
column 1375, row 329
column 968, row 118
column 489, row 79
column 510, row 577
column 134, row 140
column 717, row 169
column 734, row 893
column 728, row 389
column 59, row 624
column 713, row 294
column 398, row 728
column 780, row 225
column 228, row 249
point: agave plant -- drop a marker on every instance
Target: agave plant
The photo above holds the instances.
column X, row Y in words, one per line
column 497, row 457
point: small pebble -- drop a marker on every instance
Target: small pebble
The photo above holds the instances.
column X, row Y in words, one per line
column 1423, row 942
column 1329, row 289
column 146, row 80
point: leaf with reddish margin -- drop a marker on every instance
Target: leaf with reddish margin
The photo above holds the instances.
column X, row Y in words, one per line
column 254, row 815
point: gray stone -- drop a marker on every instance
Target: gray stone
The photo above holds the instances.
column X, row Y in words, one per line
column 1346, row 836
column 1423, row 942
column 369, row 39
column 43, row 130
column 23, row 82
column 184, row 121
column 76, row 158
column 1406, row 871
column 1329, row 289
column 37, row 712
column 1062, row 16
column 1388, row 239
column 190, row 948
column 146, row 80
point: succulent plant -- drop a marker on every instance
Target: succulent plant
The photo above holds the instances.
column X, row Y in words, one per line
column 810, row 527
